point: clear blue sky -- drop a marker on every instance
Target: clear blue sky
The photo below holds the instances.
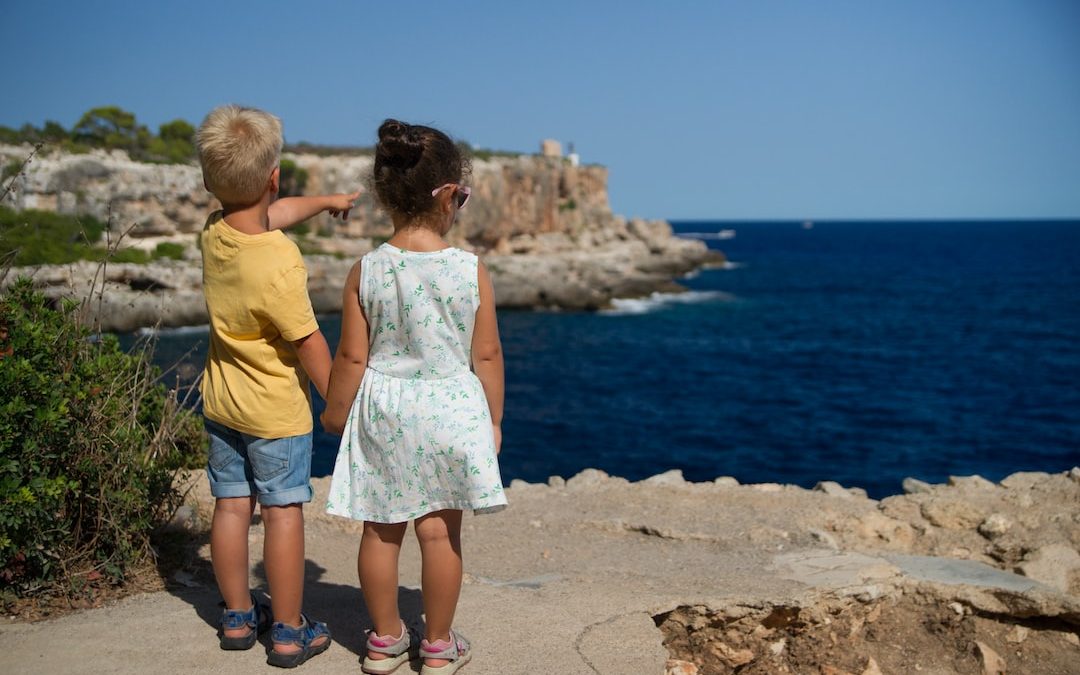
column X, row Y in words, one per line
column 720, row 109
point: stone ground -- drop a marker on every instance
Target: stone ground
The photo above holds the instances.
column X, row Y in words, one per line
column 596, row 575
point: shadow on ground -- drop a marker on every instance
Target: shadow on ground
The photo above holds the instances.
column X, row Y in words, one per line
column 340, row 606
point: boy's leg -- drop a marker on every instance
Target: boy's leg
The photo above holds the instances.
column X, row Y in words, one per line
column 229, row 553
column 377, row 566
column 282, row 472
column 283, row 553
column 231, row 485
column 439, row 534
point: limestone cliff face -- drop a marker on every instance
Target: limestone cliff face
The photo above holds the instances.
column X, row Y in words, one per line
column 512, row 196
column 544, row 227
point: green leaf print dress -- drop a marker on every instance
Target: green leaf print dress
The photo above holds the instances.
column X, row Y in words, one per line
column 418, row 438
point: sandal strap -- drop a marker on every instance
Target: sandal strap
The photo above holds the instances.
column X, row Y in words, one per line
column 252, row 618
column 391, row 647
column 454, row 649
column 303, row 635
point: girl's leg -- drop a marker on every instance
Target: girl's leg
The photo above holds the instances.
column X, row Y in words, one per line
column 377, row 565
column 229, row 553
column 439, row 534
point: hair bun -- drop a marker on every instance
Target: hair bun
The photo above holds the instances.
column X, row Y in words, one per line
column 400, row 146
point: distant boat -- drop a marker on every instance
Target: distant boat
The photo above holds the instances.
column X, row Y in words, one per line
column 725, row 234
column 808, row 225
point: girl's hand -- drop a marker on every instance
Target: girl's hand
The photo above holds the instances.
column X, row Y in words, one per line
column 340, row 205
column 498, row 437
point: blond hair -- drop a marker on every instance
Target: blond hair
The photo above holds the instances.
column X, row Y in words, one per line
column 238, row 148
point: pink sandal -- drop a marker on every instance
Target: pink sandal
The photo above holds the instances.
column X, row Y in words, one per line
column 398, row 649
column 456, row 650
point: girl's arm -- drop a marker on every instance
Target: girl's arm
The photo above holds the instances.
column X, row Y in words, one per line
column 351, row 358
column 289, row 211
column 487, row 353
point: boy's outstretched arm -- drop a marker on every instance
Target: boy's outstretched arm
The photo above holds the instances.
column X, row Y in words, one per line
column 351, row 358
column 487, row 354
column 289, row 211
column 314, row 355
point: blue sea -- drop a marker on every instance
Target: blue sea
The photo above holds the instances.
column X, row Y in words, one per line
column 861, row 352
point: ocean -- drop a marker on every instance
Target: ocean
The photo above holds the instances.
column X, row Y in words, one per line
column 860, row 352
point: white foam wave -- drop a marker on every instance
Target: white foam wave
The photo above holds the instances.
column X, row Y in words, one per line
column 725, row 265
column 722, row 234
column 657, row 301
column 174, row 330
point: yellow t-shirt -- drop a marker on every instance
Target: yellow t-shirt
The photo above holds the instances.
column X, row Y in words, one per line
column 256, row 295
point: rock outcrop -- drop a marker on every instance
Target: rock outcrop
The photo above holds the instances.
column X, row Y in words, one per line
column 543, row 225
column 607, row 576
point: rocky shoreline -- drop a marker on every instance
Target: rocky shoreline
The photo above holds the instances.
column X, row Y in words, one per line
column 594, row 574
column 543, row 226
column 124, row 297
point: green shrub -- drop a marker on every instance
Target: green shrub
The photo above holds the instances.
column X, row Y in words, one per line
column 121, row 255
column 11, row 168
column 48, row 238
column 293, row 179
column 90, row 443
column 44, row 237
column 170, row 250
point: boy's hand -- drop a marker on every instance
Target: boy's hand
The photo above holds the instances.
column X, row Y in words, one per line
column 330, row 427
column 289, row 211
column 342, row 204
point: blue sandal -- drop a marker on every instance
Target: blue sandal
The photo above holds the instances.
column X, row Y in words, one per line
column 303, row 637
column 257, row 619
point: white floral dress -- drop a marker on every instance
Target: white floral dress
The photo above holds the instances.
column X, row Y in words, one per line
column 418, row 437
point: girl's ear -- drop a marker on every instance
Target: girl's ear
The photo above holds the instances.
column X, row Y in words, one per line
column 444, row 198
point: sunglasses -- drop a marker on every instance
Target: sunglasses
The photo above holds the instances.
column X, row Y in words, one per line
column 463, row 193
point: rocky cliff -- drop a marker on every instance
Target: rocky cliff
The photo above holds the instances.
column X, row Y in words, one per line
column 544, row 227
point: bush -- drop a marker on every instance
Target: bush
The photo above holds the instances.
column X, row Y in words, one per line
column 293, row 179
column 120, row 255
column 90, row 443
column 170, row 250
column 48, row 238
column 112, row 127
column 44, row 237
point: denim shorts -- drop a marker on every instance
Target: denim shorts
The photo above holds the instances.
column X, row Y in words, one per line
column 278, row 470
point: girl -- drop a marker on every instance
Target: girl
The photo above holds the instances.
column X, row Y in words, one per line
column 420, row 431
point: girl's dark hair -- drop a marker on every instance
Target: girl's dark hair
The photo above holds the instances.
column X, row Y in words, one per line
column 412, row 160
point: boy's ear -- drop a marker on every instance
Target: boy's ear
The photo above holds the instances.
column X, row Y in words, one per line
column 275, row 181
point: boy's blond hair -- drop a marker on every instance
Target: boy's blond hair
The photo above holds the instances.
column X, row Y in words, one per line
column 238, row 148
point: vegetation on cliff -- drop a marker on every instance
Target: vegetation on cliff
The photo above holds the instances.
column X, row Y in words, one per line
column 33, row 237
column 90, row 443
column 111, row 128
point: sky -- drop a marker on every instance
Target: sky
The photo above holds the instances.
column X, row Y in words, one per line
column 728, row 110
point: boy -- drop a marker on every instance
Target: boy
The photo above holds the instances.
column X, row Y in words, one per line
column 265, row 346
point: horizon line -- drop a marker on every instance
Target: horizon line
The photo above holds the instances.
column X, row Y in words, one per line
column 885, row 219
